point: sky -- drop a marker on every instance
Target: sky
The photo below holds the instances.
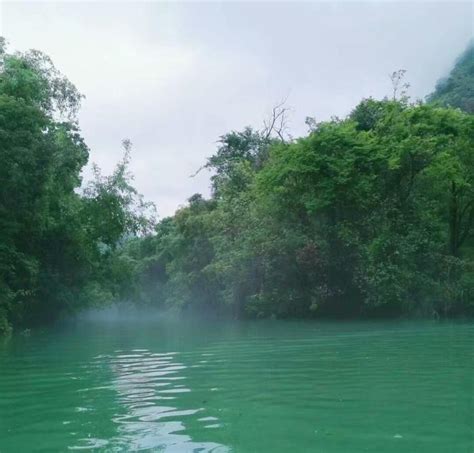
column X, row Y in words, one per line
column 174, row 77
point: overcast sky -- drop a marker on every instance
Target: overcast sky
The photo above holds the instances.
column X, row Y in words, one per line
column 173, row 77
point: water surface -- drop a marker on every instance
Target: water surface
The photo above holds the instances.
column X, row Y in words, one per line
column 161, row 385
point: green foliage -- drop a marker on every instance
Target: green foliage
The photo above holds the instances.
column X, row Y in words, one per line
column 373, row 214
column 457, row 90
column 56, row 245
column 368, row 215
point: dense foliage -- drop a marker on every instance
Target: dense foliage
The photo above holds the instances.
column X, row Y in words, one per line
column 56, row 243
column 457, row 90
column 372, row 214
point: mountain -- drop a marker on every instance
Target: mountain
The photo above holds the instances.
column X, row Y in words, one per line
column 457, row 90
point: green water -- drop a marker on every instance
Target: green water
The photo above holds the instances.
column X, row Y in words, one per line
column 243, row 387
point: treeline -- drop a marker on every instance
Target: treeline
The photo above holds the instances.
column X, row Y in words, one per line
column 57, row 241
column 369, row 215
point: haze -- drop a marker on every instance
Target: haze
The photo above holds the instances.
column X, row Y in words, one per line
column 173, row 77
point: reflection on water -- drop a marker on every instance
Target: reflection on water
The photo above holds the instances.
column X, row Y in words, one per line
column 147, row 385
column 266, row 387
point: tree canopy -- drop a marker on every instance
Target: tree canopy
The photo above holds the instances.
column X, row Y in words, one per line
column 457, row 90
column 368, row 215
column 55, row 240
column 372, row 214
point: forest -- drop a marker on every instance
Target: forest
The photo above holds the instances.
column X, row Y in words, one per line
column 371, row 215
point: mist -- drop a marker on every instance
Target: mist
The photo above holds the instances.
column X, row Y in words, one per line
column 310, row 289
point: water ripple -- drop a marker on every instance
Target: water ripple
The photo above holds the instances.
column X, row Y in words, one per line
column 250, row 387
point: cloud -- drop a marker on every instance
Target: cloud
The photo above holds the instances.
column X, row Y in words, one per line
column 173, row 77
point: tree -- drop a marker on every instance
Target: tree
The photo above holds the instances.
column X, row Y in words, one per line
column 457, row 90
column 56, row 245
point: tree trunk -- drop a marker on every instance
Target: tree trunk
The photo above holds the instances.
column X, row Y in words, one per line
column 454, row 221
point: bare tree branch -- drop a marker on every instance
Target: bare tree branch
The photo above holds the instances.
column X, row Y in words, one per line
column 277, row 123
column 399, row 87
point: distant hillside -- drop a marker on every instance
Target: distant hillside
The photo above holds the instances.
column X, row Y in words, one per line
column 457, row 90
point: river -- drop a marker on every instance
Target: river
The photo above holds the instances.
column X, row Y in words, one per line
column 265, row 386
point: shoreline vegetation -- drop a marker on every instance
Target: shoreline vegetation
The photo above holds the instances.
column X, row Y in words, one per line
column 371, row 215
